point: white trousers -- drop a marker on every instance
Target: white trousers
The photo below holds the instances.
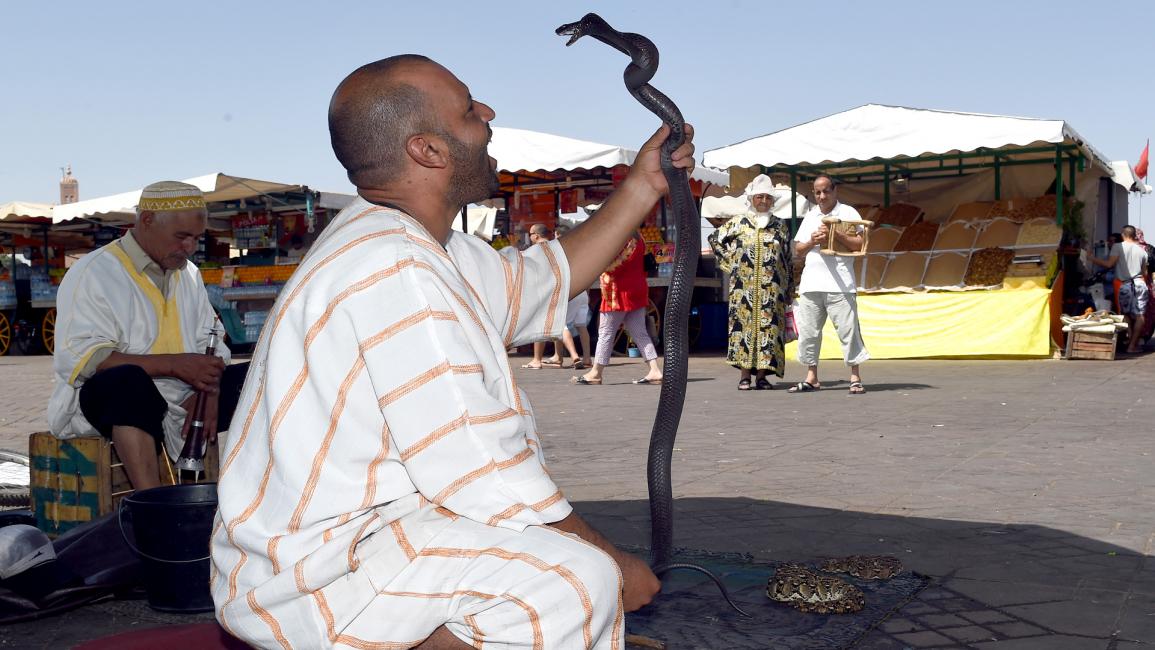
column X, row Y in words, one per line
column 810, row 314
column 493, row 587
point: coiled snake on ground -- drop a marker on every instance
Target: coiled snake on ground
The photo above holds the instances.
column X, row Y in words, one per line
column 644, row 63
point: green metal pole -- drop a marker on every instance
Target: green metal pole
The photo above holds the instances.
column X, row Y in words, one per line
column 998, row 180
column 886, row 186
column 1071, row 162
column 1059, row 185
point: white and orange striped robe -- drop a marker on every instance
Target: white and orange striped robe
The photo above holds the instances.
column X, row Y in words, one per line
column 383, row 474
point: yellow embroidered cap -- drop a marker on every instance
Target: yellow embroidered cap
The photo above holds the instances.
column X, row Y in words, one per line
column 170, row 195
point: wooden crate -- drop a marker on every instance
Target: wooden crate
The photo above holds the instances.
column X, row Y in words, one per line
column 1092, row 345
column 76, row 480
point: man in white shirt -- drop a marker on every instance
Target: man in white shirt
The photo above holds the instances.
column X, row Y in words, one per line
column 134, row 321
column 384, row 483
column 1129, row 260
column 827, row 289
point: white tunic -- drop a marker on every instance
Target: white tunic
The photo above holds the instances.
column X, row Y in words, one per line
column 105, row 302
column 825, row 273
column 380, row 429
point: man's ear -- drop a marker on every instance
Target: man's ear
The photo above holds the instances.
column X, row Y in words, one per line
column 147, row 218
column 428, row 150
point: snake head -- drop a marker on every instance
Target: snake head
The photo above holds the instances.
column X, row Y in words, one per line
column 587, row 25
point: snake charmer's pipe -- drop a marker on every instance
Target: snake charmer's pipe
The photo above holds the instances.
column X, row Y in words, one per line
column 643, row 64
column 192, row 455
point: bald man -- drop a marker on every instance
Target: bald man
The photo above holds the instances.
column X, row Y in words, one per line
column 384, row 483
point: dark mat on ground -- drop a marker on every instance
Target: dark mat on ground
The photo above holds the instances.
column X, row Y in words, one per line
column 691, row 613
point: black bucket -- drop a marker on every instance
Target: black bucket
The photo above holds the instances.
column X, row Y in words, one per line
column 172, row 526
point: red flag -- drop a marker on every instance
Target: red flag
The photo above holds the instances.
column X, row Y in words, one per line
column 1141, row 166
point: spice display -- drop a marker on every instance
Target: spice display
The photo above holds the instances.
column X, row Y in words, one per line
column 945, row 271
column 919, row 237
column 900, row 214
column 904, row 271
column 882, row 240
column 988, row 267
column 977, row 211
column 1042, row 232
column 1000, row 233
column 959, row 235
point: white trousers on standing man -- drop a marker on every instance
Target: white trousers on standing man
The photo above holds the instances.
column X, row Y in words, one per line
column 810, row 314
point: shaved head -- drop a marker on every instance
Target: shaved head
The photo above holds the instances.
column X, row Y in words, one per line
column 373, row 113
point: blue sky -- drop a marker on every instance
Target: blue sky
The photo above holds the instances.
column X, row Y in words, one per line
column 131, row 92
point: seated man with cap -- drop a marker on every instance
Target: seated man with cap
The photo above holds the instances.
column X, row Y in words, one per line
column 133, row 322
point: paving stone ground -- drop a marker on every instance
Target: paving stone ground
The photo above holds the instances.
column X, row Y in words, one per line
column 1023, row 488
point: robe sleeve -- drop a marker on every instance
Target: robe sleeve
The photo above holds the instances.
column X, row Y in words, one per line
column 724, row 243
column 525, row 292
column 86, row 325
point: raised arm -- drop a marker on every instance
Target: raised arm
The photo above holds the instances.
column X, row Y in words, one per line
column 593, row 245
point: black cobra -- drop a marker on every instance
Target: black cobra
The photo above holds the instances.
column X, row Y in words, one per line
column 643, row 64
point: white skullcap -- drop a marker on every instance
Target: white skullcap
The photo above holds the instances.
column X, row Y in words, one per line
column 760, row 185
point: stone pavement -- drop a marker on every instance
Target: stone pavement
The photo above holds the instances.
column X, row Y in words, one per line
column 1023, row 488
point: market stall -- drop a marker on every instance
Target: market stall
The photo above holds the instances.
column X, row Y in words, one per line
column 973, row 216
column 543, row 176
column 257, row 233
column 37, row 252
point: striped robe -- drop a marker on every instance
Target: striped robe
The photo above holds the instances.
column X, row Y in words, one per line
column 383, row 473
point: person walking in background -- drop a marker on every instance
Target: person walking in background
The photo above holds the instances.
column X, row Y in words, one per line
column 755, row 250
column 625, row 296
column 579, row 305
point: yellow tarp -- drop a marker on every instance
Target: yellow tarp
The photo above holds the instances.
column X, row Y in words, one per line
column 1010, row 322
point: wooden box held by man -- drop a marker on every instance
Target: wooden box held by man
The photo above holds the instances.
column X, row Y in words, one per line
column 133, row 323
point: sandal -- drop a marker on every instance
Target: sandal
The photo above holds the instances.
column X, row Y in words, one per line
column 578, row 364
column 803, row 387
column 856, row 388
column 763, row 384
column 551, row 364
column 744, row 384
column 530, row 366
column 647, row 380
column 581, row 380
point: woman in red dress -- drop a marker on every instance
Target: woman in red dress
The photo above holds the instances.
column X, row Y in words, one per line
column 625, row 296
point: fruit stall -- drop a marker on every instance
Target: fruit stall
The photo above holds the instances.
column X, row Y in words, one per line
column 36, row 252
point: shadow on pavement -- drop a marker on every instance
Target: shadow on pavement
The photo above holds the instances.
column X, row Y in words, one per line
column 1029, row 586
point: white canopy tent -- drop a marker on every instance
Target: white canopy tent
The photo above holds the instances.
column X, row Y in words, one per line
column 22, row 210
column 520, row 150
column 878, row 131
column 539, row 160
column 217, row 187
column 945, row 158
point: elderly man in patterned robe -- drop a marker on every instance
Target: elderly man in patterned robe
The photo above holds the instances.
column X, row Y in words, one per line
column 383, row 482
column 754, row 249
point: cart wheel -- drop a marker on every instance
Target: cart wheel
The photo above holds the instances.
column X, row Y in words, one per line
column 622, row 341
column 48, row 330
column 5, row 334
